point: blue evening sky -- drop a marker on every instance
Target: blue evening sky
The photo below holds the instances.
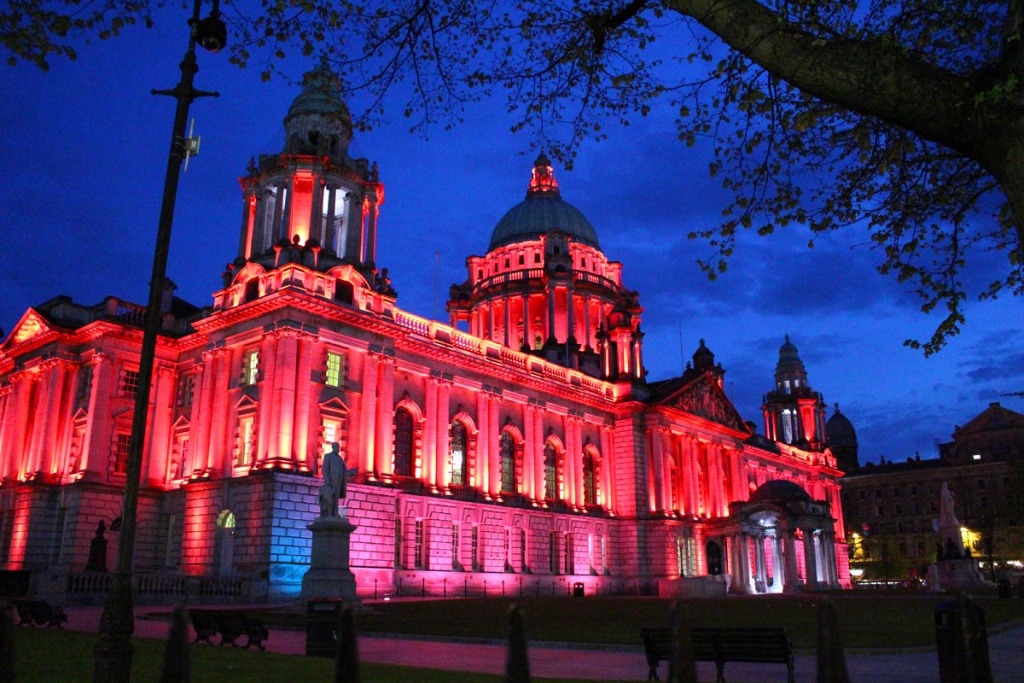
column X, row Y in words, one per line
column 83, row 167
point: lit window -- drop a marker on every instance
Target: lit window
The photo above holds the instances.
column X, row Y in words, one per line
column 332, row 377
column 507, row 449
column 976, row 456
column 246, row 431
column 590, row 479
column 129, row 383
column 332, row 429
column 457, row 456
column 250, row 367
column 550, row 472
column 122, row 446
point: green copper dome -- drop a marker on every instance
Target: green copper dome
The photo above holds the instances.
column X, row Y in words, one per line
column 321, row 95
column 541, row 212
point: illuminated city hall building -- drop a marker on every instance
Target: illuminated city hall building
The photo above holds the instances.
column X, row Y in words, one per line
column 518, row 448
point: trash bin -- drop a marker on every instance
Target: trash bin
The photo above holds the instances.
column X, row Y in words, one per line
column 962, row 642
column 577, row 589
column 322, row 617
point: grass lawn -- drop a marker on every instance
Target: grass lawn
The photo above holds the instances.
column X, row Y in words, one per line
column 865, row 620
column 56, row 656
column 887, row 620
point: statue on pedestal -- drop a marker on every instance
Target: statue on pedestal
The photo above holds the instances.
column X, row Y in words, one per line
column 335, row 486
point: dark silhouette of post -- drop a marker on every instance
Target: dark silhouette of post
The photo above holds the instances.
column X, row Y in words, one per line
column 346, row 664
column 177, row 658
column 517, row 664
column 113, row 653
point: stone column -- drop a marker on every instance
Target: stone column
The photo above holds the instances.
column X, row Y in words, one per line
column 527, row 323
column 305, row 455
column 267, row 378
column 369, row 414
column 431, row 427
column 538, row 449
column 98, row 423
column 443, row 426
column 529, row 454
column 219, row 428
column 493, row 401
column 761, row 581
column 658, row 467
column 383, row 448
column 792, row 582
column 810, row 560
column 481, row 476
column 607, row 498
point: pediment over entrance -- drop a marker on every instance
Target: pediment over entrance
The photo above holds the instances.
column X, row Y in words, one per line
column 704, row 398
column 31, row 325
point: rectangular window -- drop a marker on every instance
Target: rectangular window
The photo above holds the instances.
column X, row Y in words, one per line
column 474, row 547
column 553, row 552
column 421, row 546
column 570, row 555
column 122, row 446
column 84, row 384
column 523, row 565
column 129, row 382
column 334, row 373
column 186, row 384
column 456, row 546
column 250, row 367
column 332, row 432
column 246, row 432
column 184, row 467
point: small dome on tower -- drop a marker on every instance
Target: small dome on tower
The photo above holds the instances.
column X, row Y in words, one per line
column 790, row 372
column 842, row 441
column 703, row 358
column 541, row 212
column 318, row 121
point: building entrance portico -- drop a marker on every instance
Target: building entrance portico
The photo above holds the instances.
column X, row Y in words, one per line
column 780, row 541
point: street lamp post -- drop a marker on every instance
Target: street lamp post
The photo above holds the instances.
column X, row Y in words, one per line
column 113, row 653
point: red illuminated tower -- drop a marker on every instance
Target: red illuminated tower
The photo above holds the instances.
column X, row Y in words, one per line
column 793, row 412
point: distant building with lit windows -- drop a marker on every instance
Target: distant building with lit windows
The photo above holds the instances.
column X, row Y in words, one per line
column 519, row 446
column 893, row 507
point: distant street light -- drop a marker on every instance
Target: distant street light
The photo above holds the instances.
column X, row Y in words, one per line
column 113, row 653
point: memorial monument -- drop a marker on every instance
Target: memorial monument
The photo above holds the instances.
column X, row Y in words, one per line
column 954, row 566
column 329, row 575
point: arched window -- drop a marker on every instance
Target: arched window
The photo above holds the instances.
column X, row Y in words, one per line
column 507, row 449
column 457, row 461
column 589, row 479
column 550, row 472
column 403, row 443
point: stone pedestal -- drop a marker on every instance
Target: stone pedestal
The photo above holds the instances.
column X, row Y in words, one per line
column 958, row 574
column 329, row 575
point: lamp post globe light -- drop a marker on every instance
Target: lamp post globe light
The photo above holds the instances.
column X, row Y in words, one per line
column 113, row 653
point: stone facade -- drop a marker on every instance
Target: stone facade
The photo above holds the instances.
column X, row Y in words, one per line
column 517, row 447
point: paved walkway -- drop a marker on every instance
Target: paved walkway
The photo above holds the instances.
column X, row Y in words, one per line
column 1006, row 654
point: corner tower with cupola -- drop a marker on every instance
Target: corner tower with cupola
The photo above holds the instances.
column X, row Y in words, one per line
column 311, row 205
column 793, row 412
column 546, row 288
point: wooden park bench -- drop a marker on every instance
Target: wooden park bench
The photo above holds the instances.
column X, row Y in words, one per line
column 35, row 612
column 230, row 625
column 721, row 645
